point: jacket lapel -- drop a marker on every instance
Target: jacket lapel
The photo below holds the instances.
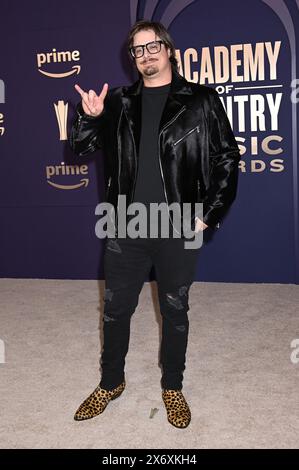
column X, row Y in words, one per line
column 172, row 107
column 131, row 100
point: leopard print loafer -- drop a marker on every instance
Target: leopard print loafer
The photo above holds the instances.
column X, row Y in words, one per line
column 97, row 402
column 178, row 411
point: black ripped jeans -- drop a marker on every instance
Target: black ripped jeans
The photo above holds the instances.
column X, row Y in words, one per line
column 127, row 263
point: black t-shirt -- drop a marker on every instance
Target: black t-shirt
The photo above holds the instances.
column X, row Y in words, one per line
column 149, row 186
column 149, row 183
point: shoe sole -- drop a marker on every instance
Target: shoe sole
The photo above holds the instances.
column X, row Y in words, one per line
column 179, row 427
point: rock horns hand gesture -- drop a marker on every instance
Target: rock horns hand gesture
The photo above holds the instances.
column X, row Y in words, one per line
column 92, row 103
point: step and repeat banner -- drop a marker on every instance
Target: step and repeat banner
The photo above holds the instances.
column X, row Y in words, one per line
column 247, row 51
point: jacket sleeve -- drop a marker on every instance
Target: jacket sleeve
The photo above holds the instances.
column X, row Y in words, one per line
column 86, row 131
column 224, row 157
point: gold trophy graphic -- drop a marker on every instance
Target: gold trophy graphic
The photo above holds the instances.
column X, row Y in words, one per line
column 61, row 110
column 2, row 128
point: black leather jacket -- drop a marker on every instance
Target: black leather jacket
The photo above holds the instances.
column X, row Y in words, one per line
column 198, row 153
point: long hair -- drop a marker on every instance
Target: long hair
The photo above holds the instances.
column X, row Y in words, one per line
column 160, row 31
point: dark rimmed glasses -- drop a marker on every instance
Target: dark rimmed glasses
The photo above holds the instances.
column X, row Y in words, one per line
column 152, row 47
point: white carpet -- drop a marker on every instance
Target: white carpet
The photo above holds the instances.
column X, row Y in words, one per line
column 240, row 383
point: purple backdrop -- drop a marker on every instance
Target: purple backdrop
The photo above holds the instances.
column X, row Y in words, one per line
column 48, row 217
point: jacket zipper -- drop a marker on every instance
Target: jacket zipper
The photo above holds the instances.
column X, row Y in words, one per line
column 109, row 181
column 184, row 136
column 135, row 156
column 79, row 123
column 118, row 178
column 107, row 193
column 166, row 125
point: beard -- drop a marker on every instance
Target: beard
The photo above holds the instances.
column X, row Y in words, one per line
column 150, row 68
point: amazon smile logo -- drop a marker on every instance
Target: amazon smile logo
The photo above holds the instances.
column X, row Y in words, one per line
column 58, row 57
column 67, row 170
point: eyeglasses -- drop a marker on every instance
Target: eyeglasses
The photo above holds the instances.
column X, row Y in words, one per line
column 152, row 47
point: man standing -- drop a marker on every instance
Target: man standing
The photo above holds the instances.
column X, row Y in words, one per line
column 166, row 140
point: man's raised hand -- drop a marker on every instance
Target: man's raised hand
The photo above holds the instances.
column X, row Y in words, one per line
column 92, row 103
